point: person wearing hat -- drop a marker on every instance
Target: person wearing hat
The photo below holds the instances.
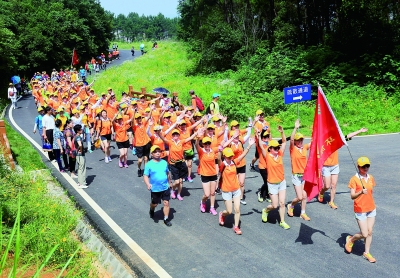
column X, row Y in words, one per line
column 12, row 95
column 38, row 123
column 229, row 183
column 262, row 142
column 157, row 179
column 62, row 116
column 298, row 156
column 142, row 103
column 259, row 125
column 121, row 138
column 103, row 131
column 361, row 191
column 276, row 179
column 142, row 141
column 214, row 106
column 155, row 138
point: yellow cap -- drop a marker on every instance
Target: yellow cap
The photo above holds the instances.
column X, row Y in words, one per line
column 176, row 131
column 85, row 102
column 119, row 117
column 265, row 133
column 158, row 127
column 234, row 123
column 259, row 112
column 98, row 110
column 147, row 109
column 363, row 161
column 138, row 115
column 40, row 109
column 227, row 152
column 81, row 107
column 153, row 148
column 123, row 106
column 141, row 96
column 182, row 122
column 189, row 108
column 167, row 114
column 76, row 100
column 298, row 136
column 59, row 109
column 206, row 139
column 197, row 114
column 211, row 126
column 152, row 102
column 216, row 119
column 133, row 102
column 109, row 89
column 10, row 84
column 273, row 143
column 74, row 111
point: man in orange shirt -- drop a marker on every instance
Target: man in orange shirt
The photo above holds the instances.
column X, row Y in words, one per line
column 259, row 125
column 142, row 141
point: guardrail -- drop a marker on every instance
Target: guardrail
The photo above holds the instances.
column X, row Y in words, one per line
column 6, row 145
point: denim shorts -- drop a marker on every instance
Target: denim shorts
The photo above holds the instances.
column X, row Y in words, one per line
column 274, row 188
column 226, row 196
column 297, row 179
column 362, row 216
column 327, row 171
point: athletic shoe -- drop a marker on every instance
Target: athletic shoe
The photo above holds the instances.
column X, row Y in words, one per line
column 349, row 244
column 74, row 176
column 305, row 217
column 179, row 197
column 139, row 172
column 151, row 212
column 90, row 151
column 173, row 196
column 237, row 230
column 369, row 257
column 62, row 171
column 332, row 205
column 131, row 147
column 82, row 186
column 284, row 225
column 126, row 165
column 221, row 219
column 268, row 200
column 109, row 159
column 120, row 164
column 243, row 202
column 203, row 207
column 218, row 191
column 213, row 211
column 320, row 198
column 264, row 216
column 168, row 223
column 260, row 199
column 290, row 210
column 252, row 169
column 134, row 151
column 106, row 160
column 189, row 179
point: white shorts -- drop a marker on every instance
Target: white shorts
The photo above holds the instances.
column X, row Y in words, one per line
column 226, row 196
column 327, row 171
column 274, row 188
column 362, row 216
column 297, row 179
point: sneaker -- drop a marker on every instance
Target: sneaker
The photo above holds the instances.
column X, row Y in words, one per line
column 349, row 244
column 369, row 257
column 290, row 210
column 218, row 191
column 173, row 196
column 131, row 147
column 106, row 160
column 305, row 217
column 62, row 171
column 74, row 176
column 252, row 169
column 120, row 164
column 284, row 225
column 109, row 159
column 151, row 212
column 90, row 151
column 203, row 207
column 260, row 199
column 243, row 202
column 82, row 186
column 179, row 197
column 126, row 165
column 237, row 230
column 134, row 151
column 213, row 211
column 268, row 199
column 189, row 179
column 167, row 222
column 332, row 205
column 139, row 172
column 320, row 198
column 221, row 219
column 264, row 216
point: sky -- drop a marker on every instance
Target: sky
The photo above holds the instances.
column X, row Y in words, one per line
column 142, row 7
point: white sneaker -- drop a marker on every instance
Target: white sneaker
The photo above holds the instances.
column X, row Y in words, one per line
column 109, row 159
column 106, row 160
column 81, row 186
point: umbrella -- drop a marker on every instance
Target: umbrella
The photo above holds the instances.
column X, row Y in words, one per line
column 161, row 90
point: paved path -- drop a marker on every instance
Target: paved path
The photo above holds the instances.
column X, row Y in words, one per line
column 196, row 246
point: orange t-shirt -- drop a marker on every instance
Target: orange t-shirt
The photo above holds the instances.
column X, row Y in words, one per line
column 175, row 151
column 155, row 140
column 165, row 127
column 230, row 181
column 142, row 105
column 218, row 130
column 237, row 151
column 207, row 162
column 103, row 127
column 299, row 158
column 262, row 163
column 365, row 202
column 141, row 137
column 120, row 132
column 259, row 125
column 275, row 168
column 332, row 160
column 184, row 135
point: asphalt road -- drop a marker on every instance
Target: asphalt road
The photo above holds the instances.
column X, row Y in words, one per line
column 196, row 246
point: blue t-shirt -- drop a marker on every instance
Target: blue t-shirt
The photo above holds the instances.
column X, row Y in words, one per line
column 158, row 175
column 38, row 122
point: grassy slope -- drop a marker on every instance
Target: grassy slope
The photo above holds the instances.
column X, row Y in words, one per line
column 353, row 106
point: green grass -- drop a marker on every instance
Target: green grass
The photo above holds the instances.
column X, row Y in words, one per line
column 25, row 155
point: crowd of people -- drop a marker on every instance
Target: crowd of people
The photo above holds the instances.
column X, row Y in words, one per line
column 168, row 137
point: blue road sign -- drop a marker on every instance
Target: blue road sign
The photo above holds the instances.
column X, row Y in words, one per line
column 297, row 93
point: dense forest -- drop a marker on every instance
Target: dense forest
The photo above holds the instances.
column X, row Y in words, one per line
column 276, row 43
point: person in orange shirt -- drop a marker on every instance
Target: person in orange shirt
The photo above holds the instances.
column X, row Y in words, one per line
column 229, row 184
column 220, row 126
column 178, row 167
column 142, row 141
column 330, row 172
column 361, row 191
column 142, row 103
column 298, row 156
column 276, row 179
column 121, row 138
column 259, row 125
column 208, row 173
column 156, row 140
column 103, row 130
column 262, row 142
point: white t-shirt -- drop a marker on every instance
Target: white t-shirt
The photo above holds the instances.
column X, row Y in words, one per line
column 48, row 122
column 12, row 91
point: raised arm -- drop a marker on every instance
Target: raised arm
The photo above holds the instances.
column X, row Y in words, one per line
column 280, row 129
column 260, row 144
column 235, row 135
column 296, row 127
column 246, row 151
column 351, row 135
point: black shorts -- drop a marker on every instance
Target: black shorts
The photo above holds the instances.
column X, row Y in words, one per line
column 156, row 197
column 122, row 145
column 256, row 154
column 178, row 170
column 216, row 161
column 129, row 129
column 105, row 137
column 241, row 170
column 143, row 150
column 206, row 179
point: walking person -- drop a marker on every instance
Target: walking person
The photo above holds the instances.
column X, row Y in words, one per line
column 103, row 127
column 229, row 184
column 58, row 144
column 121, row 138
column 48, row 126
column 80, row 156
column 38, row 123
column 157, row 179
column 69, row 136
column 12, row 95
column 361, row 191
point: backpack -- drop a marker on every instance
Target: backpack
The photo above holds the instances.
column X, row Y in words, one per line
column 208, row 110
column 199, row 104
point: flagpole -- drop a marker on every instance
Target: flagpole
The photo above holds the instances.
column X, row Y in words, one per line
column 72, row 57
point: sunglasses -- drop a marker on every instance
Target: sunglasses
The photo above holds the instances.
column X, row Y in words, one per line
column 207, row 143
column 366, row 166
column 276, row 148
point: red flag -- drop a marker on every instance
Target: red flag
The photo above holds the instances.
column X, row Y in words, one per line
column 326, row 139
column 75, row 59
